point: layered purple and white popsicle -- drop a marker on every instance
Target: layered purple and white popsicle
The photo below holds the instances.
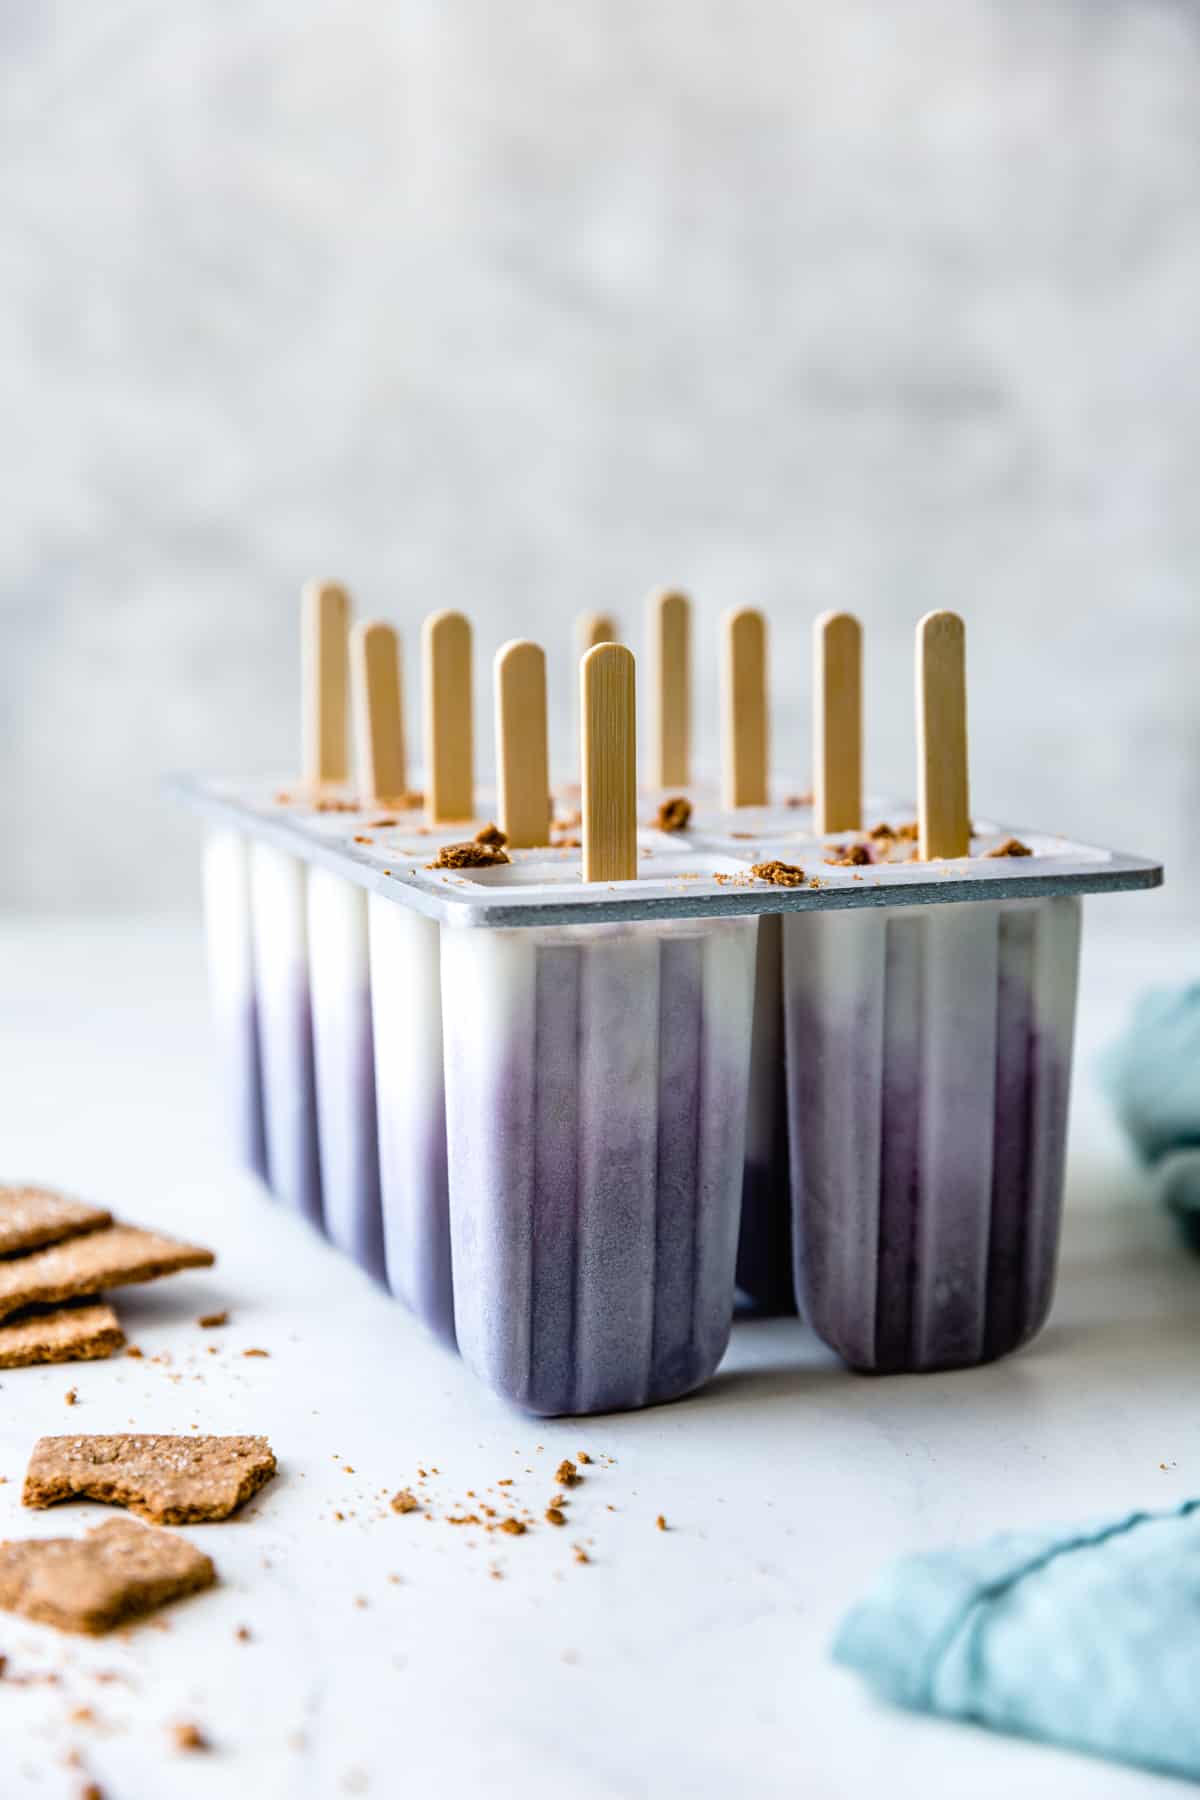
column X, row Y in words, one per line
column 596, row 1088
column 410, row 1090
column 279, row 889
column 764, row 1259
column 230, row 936
column 929, row 1062
column 344, row 1066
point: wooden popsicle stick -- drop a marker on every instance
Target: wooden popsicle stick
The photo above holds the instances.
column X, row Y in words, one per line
column 449, row 742
column 670, row 689
column 522, row 757
column 378, row 710
column 837, row 722
column 324, row 630
column 592, row 629
column 942, row 793
column 608, row 735
column 744, row 708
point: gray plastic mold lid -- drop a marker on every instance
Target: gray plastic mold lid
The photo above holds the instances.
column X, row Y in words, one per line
column 703, row 872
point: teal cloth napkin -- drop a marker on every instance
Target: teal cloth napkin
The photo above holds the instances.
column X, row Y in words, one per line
column 1087, row 1637
column 1152, row 1074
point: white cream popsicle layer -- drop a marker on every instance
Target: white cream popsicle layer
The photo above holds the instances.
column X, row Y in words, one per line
column 230, row 937
column 344, row 1066
column 411, row 1100
column 596, row 1084
column 279, row 889
column 929, row 1060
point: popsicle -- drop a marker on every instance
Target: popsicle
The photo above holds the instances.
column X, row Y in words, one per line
column 407, row 1003
column 764, row 1259
column 340, row 966
column 596, row 1084
column 280, row 885
column 929, row 1059
column 232, row 989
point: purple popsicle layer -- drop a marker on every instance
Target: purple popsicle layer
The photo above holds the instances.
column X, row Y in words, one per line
column 596, row 1086
column 929, row 1057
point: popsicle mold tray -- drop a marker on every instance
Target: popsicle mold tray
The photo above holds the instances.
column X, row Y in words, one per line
column 542, row 1109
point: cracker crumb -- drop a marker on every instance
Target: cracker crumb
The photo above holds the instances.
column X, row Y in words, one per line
column 513, row 1527
column 674, row 814
column 361, row 837
column 188, row 1736
column 243, row 1635
column 882, row 830
column 71, row 1396
column 582, row 1456
column 779, row 874
column 468, row 856
column 853, row 856
column 210, row 1321
column 492, row 836
column 555, row 1516
column 404, row 1502
column 908, row 832
column 581, row 1555
column 1010, row 847
column 566, row 1474
column 135, row 1350
column 256, row 1352
column 661, row 1522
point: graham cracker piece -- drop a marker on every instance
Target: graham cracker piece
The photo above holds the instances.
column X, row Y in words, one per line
column 115, row 1257
column 780, row 874
column 31, row 1217
column 72, row 1334
column 168, row 1480
column 475, row 855
column 118, row 1571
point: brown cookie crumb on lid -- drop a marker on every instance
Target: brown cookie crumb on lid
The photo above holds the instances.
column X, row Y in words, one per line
column 674, row 814
column 404, row 1502
column 779, row 874
column 853, row 856
column 1010, row 847
column 493, row 836
column 468, row 856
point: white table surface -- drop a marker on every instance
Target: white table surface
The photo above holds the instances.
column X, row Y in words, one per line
column 687, row 1662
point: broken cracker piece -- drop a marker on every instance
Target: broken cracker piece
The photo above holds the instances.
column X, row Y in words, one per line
column 72, row 1334
column 117, row 1572
column 117, row 1256
column 168, row 1480
column 779, row 874
column 32, row 1217
column 674, row 814
column 468, row 856
column 1010, row 847
column 405, row 1502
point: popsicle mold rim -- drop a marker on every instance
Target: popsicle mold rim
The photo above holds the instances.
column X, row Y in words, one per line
column 463, row 899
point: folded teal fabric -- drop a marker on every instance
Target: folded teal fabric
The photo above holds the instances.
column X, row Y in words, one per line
column 1086, row 1637
column 1153, row 1072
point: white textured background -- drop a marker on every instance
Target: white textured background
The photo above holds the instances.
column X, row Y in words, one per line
column 886, row 304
